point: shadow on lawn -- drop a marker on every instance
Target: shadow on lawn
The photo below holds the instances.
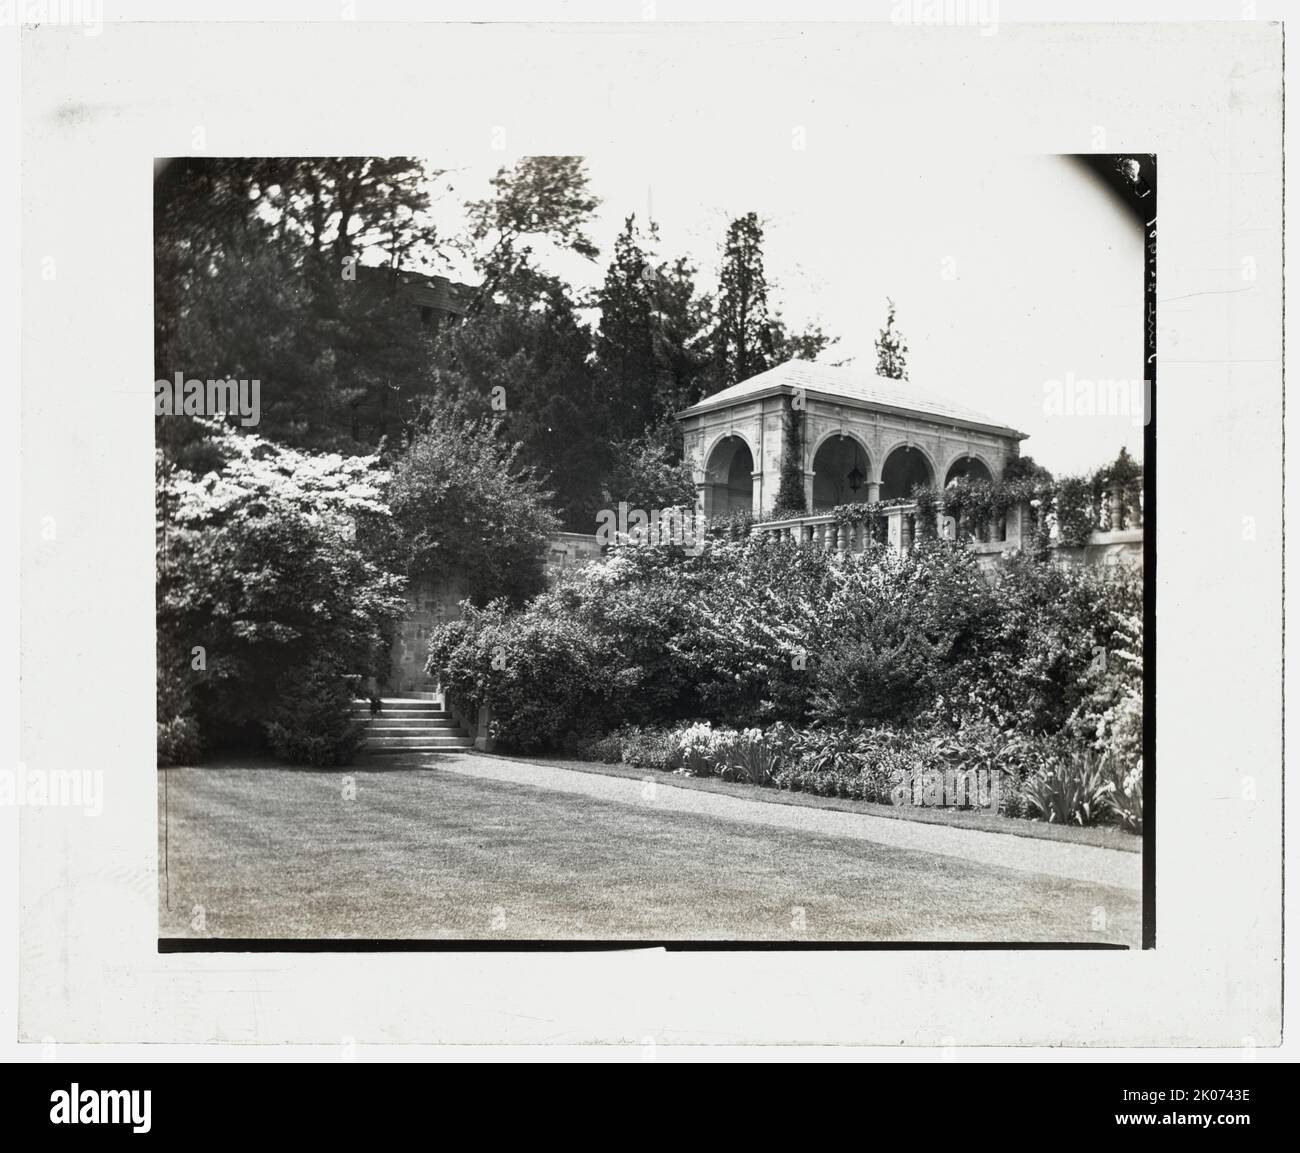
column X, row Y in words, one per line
column 386, row 763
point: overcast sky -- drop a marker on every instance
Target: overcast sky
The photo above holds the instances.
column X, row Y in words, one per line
column 1008, row 272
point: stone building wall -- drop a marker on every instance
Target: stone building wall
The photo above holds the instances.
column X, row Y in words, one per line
column 760, row 424
column 429, row 604
column 568, row 550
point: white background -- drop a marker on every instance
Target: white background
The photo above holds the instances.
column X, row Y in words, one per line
column 97, row 109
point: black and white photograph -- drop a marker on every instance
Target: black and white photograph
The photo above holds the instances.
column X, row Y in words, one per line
column 535, row 564
column 691, row 535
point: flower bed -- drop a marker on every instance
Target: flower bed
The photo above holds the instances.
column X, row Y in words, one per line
column 1041, row 777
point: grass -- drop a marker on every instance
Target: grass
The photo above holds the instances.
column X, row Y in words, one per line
column 269, row 851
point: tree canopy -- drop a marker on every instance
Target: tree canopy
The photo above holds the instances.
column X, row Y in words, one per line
column 392, row 449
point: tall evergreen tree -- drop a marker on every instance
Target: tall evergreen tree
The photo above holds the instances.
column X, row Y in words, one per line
column 742, row 336
column 625, row 346
column 748, row 338
column 526, row 358
column 651, row 334
column 891, row 349
column 683, row 325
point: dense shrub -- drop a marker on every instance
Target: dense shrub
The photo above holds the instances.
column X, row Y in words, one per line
column 648, row 635
column 1076, row 510
column 179, row 740
column 542, row 675
column 734, row 525
column 606, row 748
column 464, row 509
column 1028, row 667
column 1108, row 715
column 760, row 661
column 753, row 632
column 641, row 747
column 649, row 472
column 262, row 565
column 648, row 748
column 897, row 632
column 312, row 722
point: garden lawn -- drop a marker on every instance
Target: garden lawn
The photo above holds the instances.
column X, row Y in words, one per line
column 268, row 851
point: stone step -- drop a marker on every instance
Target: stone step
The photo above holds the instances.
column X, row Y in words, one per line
column 396, row 750
column 402, row 724
column 416, row 702
column 419, row 742
column 412, row 735
column 407, row 736
column 423, row 708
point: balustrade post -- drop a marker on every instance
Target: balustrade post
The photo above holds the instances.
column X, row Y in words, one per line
column 1116, row 500
column 1013, row 530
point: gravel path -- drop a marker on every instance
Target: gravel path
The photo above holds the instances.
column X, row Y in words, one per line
column 1050, row 858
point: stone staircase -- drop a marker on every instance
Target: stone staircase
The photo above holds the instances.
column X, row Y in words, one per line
column 409, row 725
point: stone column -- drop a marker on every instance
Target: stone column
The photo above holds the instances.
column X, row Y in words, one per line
column 873, row 492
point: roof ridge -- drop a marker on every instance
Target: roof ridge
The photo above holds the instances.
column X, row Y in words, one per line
column 852, row 383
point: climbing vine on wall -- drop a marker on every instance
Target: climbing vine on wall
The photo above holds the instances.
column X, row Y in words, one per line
column 850, row 514
column 1077, row 506
column 789, row 494
column 927, row 513
column 1065, row 511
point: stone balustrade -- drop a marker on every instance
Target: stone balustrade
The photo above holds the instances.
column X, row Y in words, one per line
column 895, row 526
column 1118, row 533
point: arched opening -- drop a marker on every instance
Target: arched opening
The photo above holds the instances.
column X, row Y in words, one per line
column 973, row 525
column 730, row 478
column 905, row 469
column 842, row 473
column 969, row 467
